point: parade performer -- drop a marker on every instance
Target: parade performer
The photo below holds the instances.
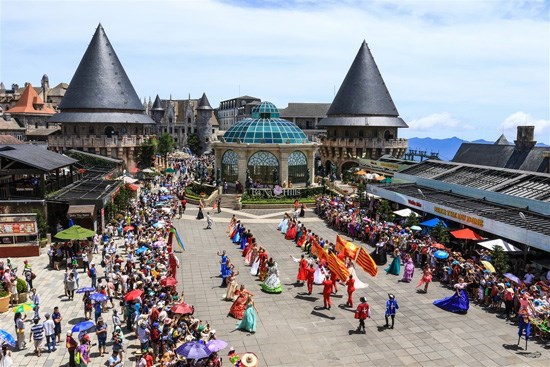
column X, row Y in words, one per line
column 379, row 254
column 310, row 278
column 362, row 313
column 262, row 266
column 223, row 262
column 231, row 225
column 251, row 255
column 458, row 302
column 285, row 224
column 231, row 286
column 334, row 279
column 524, row 324
column 351, row 269
column 391, row 310
column 272, row 283
column 409, row 269
column 227, row 273
column 174, row 263
column 426, row 278
column 302, row 269
column 291, row 231
column 350, row 284
column 282, row 222
column 248, row 321
column 395, row 266
column 320, row 273
column 239, row 305
column 327, row 290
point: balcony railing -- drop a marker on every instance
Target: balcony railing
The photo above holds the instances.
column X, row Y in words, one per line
column 367, row 143
column 94, row 141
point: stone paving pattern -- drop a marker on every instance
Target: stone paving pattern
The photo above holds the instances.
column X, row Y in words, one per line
column 292, row 328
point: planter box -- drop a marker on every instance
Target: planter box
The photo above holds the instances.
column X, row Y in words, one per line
column 4, row 304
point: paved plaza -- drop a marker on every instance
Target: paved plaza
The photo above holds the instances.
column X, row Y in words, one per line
column 292, row 328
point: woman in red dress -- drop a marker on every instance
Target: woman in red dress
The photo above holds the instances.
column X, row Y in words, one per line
column 351, row 288
column 239, row 306
column 291, row 231
column 262, row 269
column 426, row 278
column 251, row 242
column 302, row 240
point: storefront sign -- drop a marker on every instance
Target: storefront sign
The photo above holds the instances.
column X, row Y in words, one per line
column 18, row 229
column 271, row 192
column 459, row 216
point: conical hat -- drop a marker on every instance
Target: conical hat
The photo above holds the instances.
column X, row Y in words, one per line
column 249, row 360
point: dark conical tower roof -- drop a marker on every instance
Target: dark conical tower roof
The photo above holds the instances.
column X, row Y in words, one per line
column 100, row 81
column 157, row 105
column 502, row 140
column 203, row 103
column 363, row 98
column 363, row 91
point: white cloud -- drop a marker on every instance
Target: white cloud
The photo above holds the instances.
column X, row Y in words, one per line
column 520, row 118
column 438, row 121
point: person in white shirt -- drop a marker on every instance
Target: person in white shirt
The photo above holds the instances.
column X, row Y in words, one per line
column 49, row 331
column 528, row 278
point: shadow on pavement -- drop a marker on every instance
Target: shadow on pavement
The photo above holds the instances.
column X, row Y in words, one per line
column 320, row 314
column 306, row 297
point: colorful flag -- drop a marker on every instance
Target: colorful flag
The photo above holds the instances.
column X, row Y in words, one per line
column 340, row 244
column 338, row 267
column 365, row 261
column 178, row 238
column 351, row 250
column 318, row 251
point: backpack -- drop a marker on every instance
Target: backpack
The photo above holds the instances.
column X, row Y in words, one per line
column 89, row 273
column 77, row 357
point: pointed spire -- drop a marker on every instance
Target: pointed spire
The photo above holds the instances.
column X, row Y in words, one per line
column 100, row 81
column 502, row 140
column 2, row 87
column 157, row 105
column 363, row 91
column 204, row 104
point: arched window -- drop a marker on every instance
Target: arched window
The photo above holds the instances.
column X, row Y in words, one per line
column 297, row 167
column 109, row 131
column 261, row 166
column 230, row 166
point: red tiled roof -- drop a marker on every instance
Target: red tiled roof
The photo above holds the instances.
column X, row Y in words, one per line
column 27, row 102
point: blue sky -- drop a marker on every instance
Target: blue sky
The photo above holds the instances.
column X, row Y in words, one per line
column 471, row 69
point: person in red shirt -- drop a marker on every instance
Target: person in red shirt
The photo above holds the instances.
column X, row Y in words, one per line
column 310, row 278
column 350, row 284
column 149, row 358
column 334, row 280
column 302, row 270
column 362, row 313
column 327, row 290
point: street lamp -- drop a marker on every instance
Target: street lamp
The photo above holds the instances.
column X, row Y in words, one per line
column 524, row 218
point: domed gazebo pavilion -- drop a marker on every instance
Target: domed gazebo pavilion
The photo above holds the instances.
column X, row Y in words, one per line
column 267, row 148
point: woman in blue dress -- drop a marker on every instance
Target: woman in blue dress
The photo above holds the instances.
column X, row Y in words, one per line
column 244, row 239
column 248, row 322
column 238, row 231
column 458, row 302
column 223, row 262
column 395, row 266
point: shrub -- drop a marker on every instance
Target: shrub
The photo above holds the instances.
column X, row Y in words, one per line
column 22, row 286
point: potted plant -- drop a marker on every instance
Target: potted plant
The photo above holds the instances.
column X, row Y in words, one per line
column 22, row 290
column 4, row 299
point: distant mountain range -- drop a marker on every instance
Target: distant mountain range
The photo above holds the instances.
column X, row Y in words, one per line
column 446, row 148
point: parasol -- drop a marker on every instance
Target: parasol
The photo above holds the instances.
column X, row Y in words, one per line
column 98, row 297
column 133, row 295
column 141, row 250
column 82, row 326
column 488, row 266
column 441, row 255
column 416, row 228
column 438, row 246
column 25, row 307
column 169, row 170
column 360, row 173
column 85, row 289
column 193, row 350
column 466, row 234
column 168, row 282
column 75, row 232
column 512, row 277
column 182, row 309
column 216, row 345
column 6, row 337
column 128, row 228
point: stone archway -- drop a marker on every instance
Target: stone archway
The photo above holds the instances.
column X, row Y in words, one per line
column 263, row 167
column 345, row 169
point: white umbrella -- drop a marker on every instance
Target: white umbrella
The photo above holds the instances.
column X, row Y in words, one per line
column 498, row 242
column 405, row 213
column 129, row 180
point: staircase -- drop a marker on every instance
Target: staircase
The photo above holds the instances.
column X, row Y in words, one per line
column 231, row 201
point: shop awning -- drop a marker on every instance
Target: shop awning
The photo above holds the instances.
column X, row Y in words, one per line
column 466, row 234
column 498, row 242
column 433, row 222
column 405, row 213
column 81, row 211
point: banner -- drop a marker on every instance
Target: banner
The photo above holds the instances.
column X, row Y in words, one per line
column 340, row 244
column 318, row 251
column 178, row 238
column 365, row 261
column 338, row 267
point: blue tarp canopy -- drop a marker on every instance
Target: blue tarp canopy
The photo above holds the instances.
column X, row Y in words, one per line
column 433, row 222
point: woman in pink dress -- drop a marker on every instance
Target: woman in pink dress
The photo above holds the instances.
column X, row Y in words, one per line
column 426, row 278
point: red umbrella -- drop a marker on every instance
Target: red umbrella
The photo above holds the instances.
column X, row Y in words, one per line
column 466, row 234
column 439, row 246
column 133, row 295
column 128, row 228
column 182, row 308
column 168, row 282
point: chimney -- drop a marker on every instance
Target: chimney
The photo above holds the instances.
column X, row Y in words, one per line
column 525, row 138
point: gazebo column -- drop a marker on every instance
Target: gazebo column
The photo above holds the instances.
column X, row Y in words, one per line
column 283, row 167
column 242, row 165
column 311, row 165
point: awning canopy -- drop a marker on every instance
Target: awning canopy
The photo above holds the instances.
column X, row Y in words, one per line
column 433, row 222
column 466, row 234
column 405, row 213
column 498, row 242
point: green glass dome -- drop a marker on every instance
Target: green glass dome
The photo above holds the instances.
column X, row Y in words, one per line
column 265, row 127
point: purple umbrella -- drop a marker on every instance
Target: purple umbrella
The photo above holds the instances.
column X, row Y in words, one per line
column 85, row 289
column 98, row 297
column 216, row 345
column 513, row 278
column 193, row 350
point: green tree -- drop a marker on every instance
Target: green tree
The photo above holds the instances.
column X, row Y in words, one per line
column 440, row 233
column 412, row 220
column 146, row 153
column 41, row 223
column 499, row 258
column 194, row 143
column 166, row 144
column 385, row 211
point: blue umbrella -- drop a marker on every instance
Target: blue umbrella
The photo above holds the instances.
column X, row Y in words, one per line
column 193, row 350
column 6, row 337
column 141, row 250
column 98, row 297
column 82, row 326
column 441, row 255
column 85, row 289
column 158, row 225
column 433, row 222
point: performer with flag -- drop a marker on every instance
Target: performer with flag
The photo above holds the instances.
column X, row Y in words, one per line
column 327, row 290
column 174, row 263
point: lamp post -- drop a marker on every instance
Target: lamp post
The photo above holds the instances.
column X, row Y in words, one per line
column 526, row 251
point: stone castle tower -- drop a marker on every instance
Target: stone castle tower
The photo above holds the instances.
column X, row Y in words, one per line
column 204, row 124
